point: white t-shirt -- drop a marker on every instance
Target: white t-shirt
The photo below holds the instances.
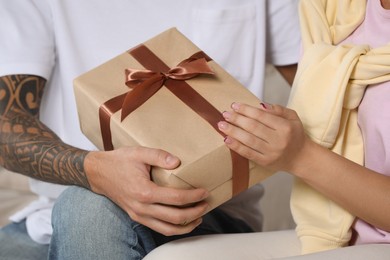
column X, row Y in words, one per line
column 60, row 40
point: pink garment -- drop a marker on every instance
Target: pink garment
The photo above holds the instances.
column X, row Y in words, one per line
column 374, row 111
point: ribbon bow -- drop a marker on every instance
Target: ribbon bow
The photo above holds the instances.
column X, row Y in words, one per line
column 145, row 83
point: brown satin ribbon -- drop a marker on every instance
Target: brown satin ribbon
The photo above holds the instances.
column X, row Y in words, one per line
column 144, row 83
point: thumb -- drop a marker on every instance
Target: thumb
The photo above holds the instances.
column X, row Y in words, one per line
column 171, row 161
column 157, row 157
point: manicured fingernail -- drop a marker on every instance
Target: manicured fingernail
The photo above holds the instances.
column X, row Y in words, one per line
column 235, row 106
column 227, row 140
column 226, row 114
column 222, row 125
column 266, row 106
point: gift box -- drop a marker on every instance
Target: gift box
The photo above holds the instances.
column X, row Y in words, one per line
column 166, row 93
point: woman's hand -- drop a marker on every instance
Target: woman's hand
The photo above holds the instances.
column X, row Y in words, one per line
column 270, row 135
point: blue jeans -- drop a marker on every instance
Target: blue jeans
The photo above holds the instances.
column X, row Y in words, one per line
column 89, row 226
column 15, row 244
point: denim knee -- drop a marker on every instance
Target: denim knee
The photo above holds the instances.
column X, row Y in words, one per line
column 80, row 207
column 90, row 226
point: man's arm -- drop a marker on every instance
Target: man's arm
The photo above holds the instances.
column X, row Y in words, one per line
column 27, row 146
column 288, row 72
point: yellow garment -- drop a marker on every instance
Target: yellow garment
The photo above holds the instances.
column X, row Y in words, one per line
column 327, row 90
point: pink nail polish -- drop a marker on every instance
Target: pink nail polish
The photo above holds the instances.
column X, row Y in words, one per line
column 235, row 106
column 263, row 105
column 227, row 140
column 222, row 125
column 226, row 114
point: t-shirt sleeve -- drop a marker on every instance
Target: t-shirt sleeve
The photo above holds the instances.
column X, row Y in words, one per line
column 283, row 32
column 27, row 41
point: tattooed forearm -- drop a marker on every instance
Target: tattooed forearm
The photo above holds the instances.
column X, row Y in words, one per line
column 21, row 93
column 29, row 147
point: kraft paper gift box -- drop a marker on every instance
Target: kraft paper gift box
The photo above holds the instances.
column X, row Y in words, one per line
column 177, row 115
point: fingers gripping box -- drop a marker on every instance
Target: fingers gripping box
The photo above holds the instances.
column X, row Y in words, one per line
column 166, row 93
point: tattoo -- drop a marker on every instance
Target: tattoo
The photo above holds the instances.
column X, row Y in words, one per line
column 28, row 146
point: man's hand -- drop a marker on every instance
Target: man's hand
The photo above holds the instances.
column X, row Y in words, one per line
column 123, row 175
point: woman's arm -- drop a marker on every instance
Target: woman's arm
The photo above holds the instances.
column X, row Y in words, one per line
column 273, row 136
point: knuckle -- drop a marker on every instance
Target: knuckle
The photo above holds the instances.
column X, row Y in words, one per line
column 287, row 129
column 179, row 220
column 134, row 215
column 134, row 151
column 176, row 197
column 160, row 155
column 244, row 108
column 251, row 155
column 252, row 127
column 145, row 196
column 260, row 114
column 190, row 228
column 234, row 144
